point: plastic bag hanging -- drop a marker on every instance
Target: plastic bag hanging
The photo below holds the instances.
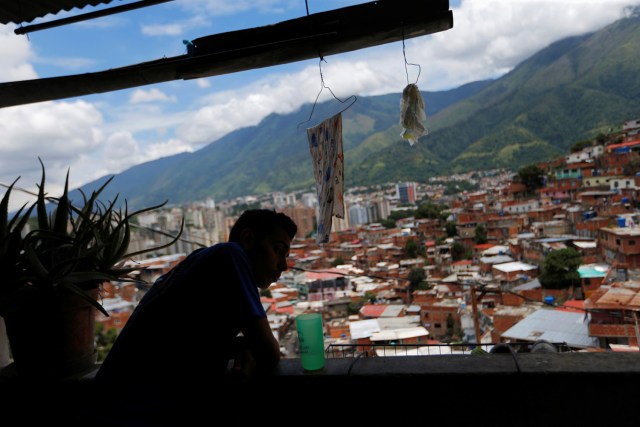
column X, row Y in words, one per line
column 325, row 145
column 412, row 114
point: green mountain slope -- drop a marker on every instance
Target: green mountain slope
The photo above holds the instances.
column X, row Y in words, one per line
column 273, row 156
column 569, row 91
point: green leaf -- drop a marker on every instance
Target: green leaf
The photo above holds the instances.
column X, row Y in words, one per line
column 62, row 212
column 76, row 290
column 43, row 219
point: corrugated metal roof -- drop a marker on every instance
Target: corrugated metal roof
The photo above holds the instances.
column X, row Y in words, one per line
column 553, row 326
column 509, row 267
column 363, row 328
column 399, row 334
column 20, row 11
column 534, row 284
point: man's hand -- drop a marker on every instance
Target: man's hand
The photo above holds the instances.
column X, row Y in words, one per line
column 244, row 366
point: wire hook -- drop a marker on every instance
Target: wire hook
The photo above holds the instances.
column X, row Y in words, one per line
column 324, row 86
column 404, row 54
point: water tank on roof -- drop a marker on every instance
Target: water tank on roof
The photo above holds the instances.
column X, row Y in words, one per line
column 549, row 300
column 621, row 221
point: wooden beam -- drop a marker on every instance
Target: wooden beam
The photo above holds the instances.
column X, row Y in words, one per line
column 327, row 33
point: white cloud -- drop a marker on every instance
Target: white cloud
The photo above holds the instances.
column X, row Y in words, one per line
column 121, row 151
column 488, row 39
column 225, row 7
column 141, row 95
column 15, row 52
column 167, row 148
column 162, row 30
column 203, row 83
column 59, row 133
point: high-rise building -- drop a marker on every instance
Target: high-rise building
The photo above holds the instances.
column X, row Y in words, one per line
column 303, row 217
column 406, row 192
column 358, row 214
column 310, row 200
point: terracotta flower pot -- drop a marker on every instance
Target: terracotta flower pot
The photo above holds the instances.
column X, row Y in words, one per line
column 53, row 337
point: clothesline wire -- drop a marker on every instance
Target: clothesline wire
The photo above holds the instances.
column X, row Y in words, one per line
column 322, row 87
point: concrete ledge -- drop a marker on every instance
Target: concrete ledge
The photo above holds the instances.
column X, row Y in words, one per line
column 528, row 389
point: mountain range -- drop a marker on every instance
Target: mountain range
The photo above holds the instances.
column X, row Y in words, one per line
column 569, row 91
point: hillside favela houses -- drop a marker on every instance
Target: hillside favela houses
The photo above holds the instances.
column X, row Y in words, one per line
column 420, row 269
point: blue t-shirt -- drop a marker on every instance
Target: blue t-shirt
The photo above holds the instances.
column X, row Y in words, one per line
column 183, row 329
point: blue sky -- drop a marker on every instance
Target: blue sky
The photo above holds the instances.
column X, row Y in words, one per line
column 107, row 133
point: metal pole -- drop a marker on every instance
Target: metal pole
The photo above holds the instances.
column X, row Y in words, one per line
column 474, row 306
column 635, row 318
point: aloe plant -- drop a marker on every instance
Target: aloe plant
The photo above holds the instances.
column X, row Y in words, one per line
column 74, row 249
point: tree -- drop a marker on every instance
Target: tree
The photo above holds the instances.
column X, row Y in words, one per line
column 430, row 210
column 451, row 228
column 396, row 215
column 580, row 145
column 416, row 277
column 104, row 339
column 480, row 235
column 450, row 326
column 411, row 248
column 560, row 269
column 417, row 281
column 531, row 176
column 369, row 297
column 337, row 261
column 388, row 223
column 265, row 293
column 354, row 307
column 457, row 251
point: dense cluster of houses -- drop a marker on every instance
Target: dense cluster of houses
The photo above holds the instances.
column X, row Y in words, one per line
column 360, row 281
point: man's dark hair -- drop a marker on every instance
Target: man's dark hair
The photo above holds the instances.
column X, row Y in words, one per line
column 262, row 222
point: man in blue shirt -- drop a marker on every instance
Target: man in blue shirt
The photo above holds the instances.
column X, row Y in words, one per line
column 185, row 329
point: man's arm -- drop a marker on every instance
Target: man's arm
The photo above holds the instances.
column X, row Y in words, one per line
column 262, row 345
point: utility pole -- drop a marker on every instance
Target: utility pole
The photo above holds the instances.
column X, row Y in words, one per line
column 474, row 307
column 635, row 319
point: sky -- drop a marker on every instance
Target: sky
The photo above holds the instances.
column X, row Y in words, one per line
column 103, row 134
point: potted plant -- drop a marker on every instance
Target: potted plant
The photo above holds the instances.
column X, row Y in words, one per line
column 52, row 275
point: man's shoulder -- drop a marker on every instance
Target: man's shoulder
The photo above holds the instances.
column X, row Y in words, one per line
column 228, row 248
column 218, row 254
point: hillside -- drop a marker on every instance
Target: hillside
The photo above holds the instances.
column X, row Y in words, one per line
column 569, row 91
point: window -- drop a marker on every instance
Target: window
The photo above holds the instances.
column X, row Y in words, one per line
column 618, row 242
column 632, row 242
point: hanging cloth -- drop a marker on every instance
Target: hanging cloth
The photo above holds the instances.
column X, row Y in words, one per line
column 325, row 145
column 412, row 114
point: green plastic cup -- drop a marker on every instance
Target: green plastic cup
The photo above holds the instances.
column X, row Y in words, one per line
column 311, row 339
